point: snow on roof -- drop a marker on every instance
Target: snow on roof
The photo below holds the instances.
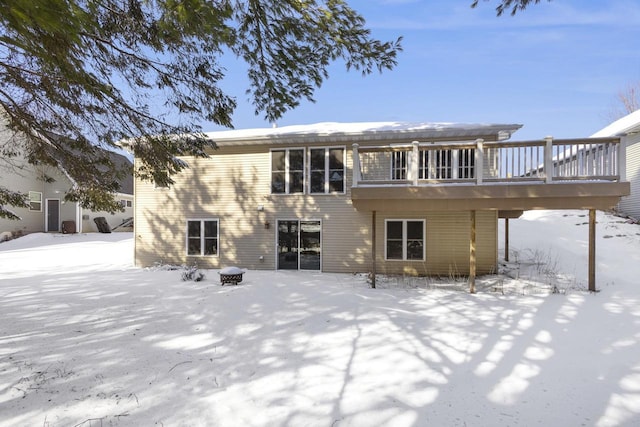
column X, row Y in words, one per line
column 378, row 130
column 628, row 124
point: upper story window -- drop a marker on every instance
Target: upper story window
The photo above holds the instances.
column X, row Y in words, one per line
column 35, row 201
column 287, row 171
column 202, row 237
column 326, row 170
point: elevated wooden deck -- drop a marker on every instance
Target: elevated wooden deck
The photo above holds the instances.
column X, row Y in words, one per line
column 505, row 176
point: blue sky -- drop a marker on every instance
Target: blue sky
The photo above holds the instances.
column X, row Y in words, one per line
column 555, row 68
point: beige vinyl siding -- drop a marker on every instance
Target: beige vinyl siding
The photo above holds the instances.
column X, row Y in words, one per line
column 630, row 205
column 226, row 186
column 447, row 244
column 376, row 166
column 230, row 185
column 235, row 181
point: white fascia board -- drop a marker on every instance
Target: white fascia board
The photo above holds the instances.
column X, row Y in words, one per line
column 355, row 132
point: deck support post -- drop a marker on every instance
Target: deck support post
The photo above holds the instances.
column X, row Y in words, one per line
column 472, row 255
column 356, row 165
column 415, row 162
column 548, row 159
column 592, row 250
column 622, row 159
column 479, row 161
column 506, row 239
column 373, row 249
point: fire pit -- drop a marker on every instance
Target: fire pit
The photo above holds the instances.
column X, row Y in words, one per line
column 231, row 275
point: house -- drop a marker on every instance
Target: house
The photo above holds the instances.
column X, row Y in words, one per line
column 46, row 187
column 628, row 130
column 391, row 198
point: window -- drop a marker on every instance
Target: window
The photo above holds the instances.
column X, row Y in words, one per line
column 404, row 240
column 125, row 203
column 202, row 237
column 326, row 170
column 287, row 171
column 35, row 201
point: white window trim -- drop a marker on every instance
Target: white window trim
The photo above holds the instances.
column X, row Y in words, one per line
column 287, row 170
column 201, row 254
column 41, row 201
column 326, row 169
column 404, row 239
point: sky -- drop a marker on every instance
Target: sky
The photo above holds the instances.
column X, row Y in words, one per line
column 555, row 68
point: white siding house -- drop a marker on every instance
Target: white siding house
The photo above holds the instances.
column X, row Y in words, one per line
column 628, row 129
column 46, row 187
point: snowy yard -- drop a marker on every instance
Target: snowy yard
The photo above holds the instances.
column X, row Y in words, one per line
column 86, row 339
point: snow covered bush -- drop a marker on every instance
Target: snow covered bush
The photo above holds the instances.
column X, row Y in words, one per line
column 192, row 274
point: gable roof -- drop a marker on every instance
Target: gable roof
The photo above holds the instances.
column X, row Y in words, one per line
column 119, row 161
column 621, row 127
column 362, row 131
column 122, row 162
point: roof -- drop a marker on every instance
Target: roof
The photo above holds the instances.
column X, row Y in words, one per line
column 624, row 126
column 121, row 162
column 362, row 131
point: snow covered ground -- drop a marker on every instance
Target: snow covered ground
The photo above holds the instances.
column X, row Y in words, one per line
column 86, row 339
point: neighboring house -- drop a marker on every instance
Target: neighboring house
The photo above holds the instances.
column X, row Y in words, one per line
column 46, row 187
column 628, row 130
column 389, row 198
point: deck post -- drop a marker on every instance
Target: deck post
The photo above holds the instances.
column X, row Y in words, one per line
column 415, row 161
column 592, row 250
column 622, row 159
column 548, row 159
column 356, row 165
column 472, row 255
column 373, row 249
column 479, row 160
column 506, row 239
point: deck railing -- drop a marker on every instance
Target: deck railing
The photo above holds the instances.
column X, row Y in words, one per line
column 478, row 162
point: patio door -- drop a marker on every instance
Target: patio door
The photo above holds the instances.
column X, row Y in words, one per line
column 53, row 215
column 299, row 245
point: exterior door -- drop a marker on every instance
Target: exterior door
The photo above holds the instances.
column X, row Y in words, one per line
column 53, row 215
column 299, row 245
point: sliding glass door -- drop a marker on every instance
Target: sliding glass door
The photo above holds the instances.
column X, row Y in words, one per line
column 299, row 245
